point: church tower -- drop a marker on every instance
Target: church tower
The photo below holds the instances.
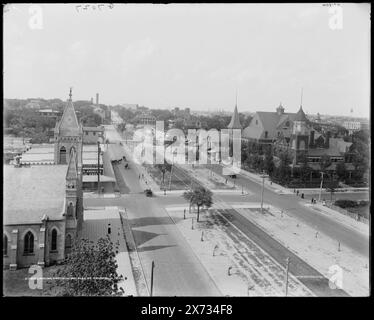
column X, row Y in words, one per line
column 234, row 140
column 73, row 200
column 68, row 136
column 300, row 135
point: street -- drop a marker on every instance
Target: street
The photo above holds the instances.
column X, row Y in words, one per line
column 291, row 204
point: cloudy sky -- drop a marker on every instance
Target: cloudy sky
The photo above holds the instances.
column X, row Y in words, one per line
column 192, row 55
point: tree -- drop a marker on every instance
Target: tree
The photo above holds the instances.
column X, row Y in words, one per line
column 90, row 270
column 325, row 162
column 341, row 170
column 199, row 197
column 269, row 162
column 163, row 168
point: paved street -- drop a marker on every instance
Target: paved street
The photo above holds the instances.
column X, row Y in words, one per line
column 178, row 272
column 291, row 203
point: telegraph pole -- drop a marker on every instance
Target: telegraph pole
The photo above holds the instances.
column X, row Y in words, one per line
column 320, row 188
column 153, row 266
column 287, row 267
column 98, row 166
column 263, row 176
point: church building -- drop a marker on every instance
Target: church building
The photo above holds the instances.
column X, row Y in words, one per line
column 43, row 204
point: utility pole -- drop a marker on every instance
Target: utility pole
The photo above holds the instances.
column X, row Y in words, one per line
column 153, row 266
column 287, row 267
column 98, row 166
column 320, row 188
column 263, row 176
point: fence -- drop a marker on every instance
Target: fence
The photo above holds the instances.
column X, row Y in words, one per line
column 355, row 216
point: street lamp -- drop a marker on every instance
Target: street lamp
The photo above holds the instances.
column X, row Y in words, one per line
column 263, row 176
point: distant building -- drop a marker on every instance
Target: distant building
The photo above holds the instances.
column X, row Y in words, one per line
column 33, row 104
column 294, row 133
column 49, row 113
column 352, row 126
column 267, row 127
column 178, row 113
column 91, row 135
column 146, row 119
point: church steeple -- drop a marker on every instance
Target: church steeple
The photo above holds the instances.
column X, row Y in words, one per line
column 235, row 121
column 69, row 124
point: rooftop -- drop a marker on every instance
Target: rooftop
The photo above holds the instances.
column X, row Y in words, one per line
column 93, row 129
column 43, row 154
column 30, row 193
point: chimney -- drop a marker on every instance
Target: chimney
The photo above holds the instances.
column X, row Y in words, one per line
column 311, row 141
column 97, row 98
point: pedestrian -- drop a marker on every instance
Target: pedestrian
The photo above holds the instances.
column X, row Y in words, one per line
column 297, row 192
column 312, row 201
column 139, row 176
column 302, row 196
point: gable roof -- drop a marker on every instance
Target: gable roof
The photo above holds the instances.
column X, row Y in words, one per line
column 29, row 193
column 235, row 122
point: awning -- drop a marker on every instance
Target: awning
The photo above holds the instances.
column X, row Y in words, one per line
column 93, row 178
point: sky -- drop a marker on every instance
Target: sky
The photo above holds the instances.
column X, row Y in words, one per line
column 193, row 55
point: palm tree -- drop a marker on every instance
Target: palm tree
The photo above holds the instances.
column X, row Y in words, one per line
column 199, row 197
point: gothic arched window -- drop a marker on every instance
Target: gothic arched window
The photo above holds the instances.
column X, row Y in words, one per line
column 54, row 240
column 63, row 155
column 28, row 243
column 70, row 209
column 5, row 245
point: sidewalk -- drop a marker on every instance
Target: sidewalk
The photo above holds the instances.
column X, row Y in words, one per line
column 95, row 226
column 337, row 216
column 315, row 248
column 267, row 183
